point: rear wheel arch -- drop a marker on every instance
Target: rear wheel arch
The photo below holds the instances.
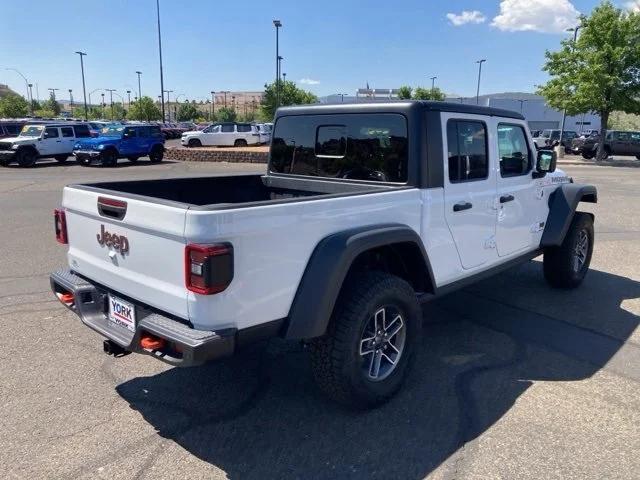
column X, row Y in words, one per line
column 394, row 248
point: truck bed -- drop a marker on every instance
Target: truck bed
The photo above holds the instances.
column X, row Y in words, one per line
column 229, row 191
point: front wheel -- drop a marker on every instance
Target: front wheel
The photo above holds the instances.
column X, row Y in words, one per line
column 26, row 158
column 156, row 154
column 566, row 266
column 240, row 143
column 109, row 158
column 588, row 155
column 194, row 142
column 364, row 357
column 61, row 158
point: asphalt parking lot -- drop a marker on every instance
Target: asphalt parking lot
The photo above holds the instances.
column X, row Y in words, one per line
column 513, row 380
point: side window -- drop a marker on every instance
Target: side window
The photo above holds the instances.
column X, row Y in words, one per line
column 51, row 132
column 82, row 131
column 244, row 128
column 467, row 145
column 67, row 132
column 143, row 132
column 513, row 151
column 129, row 132
column 155, row 131
column 228, row 128
column 622, row 136
column 12, row 129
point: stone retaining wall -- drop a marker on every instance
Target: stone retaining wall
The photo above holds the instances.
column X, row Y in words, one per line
column 236, row 155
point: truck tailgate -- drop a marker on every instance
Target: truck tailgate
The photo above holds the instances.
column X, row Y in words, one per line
column 151, row 269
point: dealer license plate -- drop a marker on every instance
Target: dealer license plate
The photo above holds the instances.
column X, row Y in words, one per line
column 122, row 313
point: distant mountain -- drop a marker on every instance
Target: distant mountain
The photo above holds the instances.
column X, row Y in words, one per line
column 5, row 90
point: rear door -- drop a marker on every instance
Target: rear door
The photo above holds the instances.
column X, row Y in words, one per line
column 152, row 268
column 51, row 143
column 469, row 188
column 227, row 135
column 520, row 204
column 68, row 139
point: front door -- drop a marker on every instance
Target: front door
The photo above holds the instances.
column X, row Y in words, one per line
column 469, row 189
column 519, row 202
column 128, row 145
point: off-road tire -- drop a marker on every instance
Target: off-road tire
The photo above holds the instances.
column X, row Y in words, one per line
column 61, row 158
column 26, row 158
column 156, row 154
column 337, row 364
column 588, row 155
column 194, row 142
column 240, row 143
column 560, row 268
column 109, row 158
column 638, row 157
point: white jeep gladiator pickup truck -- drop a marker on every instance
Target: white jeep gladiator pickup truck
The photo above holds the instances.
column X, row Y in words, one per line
column 365, row 211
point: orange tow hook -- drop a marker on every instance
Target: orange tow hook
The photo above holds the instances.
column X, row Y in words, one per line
column 66, row 298
column 151, row 342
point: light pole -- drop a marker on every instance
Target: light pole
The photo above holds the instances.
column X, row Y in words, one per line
column 433, row 83
column 92, row 92
column 53, row 93
column 277, row 24
column 26, row 83
column 160, row 52
column 280, row 58
column 168, row 92
column 111, row 90
column 31, row 96
column 120, row 97
column 564, row 110
column 129, row 99
column 84, row 88
column 521, row 104
column 102, row 104
column 139, row 89
column 479, row 62
column 213, row 104
column 71, row 101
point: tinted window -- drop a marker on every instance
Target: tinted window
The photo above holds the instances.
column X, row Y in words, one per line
column 143, row 131
column 350, row 146
column 67, row 131
column 12, row 129
column 467, row 145
column 82, row 131
column 635, row 136
column 51, row 132
column 155, row 131
column 243, row 127
column 513, row 150
column 228, row 128
column 130, row 132
column 622, row 136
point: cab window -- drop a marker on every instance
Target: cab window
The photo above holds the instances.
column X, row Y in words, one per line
column 129, row 132
column 67, row 132
column 467, row 151
column 228, row 128
column 513, row 151
column 51, row 132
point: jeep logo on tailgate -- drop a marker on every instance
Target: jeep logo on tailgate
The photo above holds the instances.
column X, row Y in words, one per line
column 118, row 242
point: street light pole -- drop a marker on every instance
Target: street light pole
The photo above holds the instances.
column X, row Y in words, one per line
column 479, row 62
column 284, row 78
column 102, row 104
column 213, row 104
column 111, row 90
column 71, row 101
column 168, row 92
column 31, row 96
column 129, row 99
column 160, row 52
column 26, row 83
column 139, row 89
column 277, row 24
column 84, row 88
column 433, row 83
column 521, row 104
column 564, row 110
column 53, row 93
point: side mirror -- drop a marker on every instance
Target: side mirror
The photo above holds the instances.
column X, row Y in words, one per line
column 545, row 163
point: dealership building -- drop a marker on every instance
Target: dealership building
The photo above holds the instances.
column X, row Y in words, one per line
column 539, row 115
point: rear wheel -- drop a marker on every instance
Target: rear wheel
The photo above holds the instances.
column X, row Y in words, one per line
column 156, row 154
column 109, row 158
column 61, row 158
column 566, row 266
column 364, row 357
column 240, row 143
column 26, row 157
column 638, row 157
column 588, row 155
column 194, row 142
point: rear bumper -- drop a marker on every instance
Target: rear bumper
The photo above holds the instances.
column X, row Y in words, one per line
column 185, row 346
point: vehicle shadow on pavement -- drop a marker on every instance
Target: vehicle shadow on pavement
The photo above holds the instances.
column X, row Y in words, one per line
column 259, row 415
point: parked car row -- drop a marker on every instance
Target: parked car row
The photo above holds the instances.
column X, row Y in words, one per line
column 616, row 142
column 60, row 140
column 551, row 137
column 229, row 134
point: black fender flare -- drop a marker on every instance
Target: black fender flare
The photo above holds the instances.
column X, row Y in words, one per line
column 30, row 147
column 327, row 269
column 562, row 207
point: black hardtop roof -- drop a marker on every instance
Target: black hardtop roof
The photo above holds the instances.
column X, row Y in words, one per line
column 397, row 107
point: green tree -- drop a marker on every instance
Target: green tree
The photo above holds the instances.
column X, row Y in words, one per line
column 52, row 105
column 600, row 72
column 144, row 109
column 404, row 92
column 13, row 106
column 428, row 94
column 290, row 94
column 119, row 111
column 226, row 114
column 624, row 121
column 187, row 111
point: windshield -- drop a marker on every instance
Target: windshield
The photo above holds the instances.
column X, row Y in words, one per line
column 31, row 131
column 114, row 131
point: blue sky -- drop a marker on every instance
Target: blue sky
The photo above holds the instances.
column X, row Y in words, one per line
column 341, row 45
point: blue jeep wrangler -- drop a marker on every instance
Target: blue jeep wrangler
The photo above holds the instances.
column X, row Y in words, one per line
column 121, row 141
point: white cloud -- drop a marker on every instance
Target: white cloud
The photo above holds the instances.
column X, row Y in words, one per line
column 633, row 6
column 547, row 16
column 467, row 16
column 309, row 81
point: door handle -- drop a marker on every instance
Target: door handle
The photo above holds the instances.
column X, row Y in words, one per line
column 458, row 207
column 507, row 198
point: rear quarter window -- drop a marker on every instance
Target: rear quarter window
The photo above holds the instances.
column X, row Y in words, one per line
column 370, row 147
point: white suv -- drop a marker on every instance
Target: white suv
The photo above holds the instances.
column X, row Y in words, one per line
column 42, row 141
column 223, row 135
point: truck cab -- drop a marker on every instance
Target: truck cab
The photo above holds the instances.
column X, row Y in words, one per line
column 121, row 141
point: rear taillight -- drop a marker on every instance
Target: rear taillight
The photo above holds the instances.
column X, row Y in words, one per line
column 60, row 224
column 208, row 268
